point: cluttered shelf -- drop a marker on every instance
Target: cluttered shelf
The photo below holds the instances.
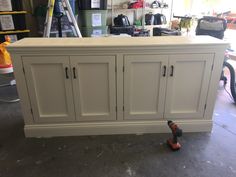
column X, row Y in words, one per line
column 138, row 9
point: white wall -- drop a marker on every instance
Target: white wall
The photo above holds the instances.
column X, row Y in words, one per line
column 132, row 15
column 202, row 7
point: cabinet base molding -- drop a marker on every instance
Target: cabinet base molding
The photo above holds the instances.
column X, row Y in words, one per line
column 108, row 128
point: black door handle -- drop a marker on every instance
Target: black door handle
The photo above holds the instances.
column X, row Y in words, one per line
column 66, row 71
column 171, row 71
column 164, row 71
column 74, row 72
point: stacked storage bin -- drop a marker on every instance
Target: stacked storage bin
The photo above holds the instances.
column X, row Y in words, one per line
column 93, row 17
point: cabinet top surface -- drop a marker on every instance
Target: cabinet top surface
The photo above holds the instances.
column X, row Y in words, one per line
column 111, row 42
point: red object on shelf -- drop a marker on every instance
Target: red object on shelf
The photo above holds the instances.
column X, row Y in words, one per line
column 136, row 5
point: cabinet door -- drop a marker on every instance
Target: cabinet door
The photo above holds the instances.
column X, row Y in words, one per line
column 187, row 85
column 94, row 87
column 49, row 89
column 144, row 86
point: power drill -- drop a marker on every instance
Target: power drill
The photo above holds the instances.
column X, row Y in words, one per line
column 177, row 132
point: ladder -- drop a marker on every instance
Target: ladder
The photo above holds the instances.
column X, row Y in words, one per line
column 67, row 9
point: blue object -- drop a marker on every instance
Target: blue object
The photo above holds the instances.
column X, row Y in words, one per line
column 72, row 4
column 58, row 8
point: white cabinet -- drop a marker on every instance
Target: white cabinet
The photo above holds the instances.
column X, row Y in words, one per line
column 147, row 96
column 62, row 88
column 94, row 87
column 97, row 86
column 187, row 85
column 144, row 86
column 83, row 88
column 50, row 90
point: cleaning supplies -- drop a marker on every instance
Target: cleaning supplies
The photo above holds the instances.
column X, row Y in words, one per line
column 5, row 58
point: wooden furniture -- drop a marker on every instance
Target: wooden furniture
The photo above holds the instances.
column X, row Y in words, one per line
column 93, row 86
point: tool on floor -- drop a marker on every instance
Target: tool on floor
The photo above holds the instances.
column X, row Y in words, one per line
column 58, row 7
column 177, row 132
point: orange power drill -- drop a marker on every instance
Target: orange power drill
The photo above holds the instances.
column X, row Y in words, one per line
column 177, row 132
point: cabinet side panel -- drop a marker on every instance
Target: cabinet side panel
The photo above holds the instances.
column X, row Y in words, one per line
column 22, row 88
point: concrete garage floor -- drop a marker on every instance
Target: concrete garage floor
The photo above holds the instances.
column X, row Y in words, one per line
column 203, row 154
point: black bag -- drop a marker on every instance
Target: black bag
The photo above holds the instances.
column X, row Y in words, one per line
column 159, row 19
column 117, row 30
column 212, row 26
column 156, row 4
column 165, row 32
column 121, row 20
column 149, row 19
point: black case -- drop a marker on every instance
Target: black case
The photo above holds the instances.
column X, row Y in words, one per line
column 214, row 33
column 165, row 32
column 121, row 20
column 125, row 30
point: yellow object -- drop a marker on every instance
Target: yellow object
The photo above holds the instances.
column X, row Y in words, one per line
column 5, row 58
column 185, row 23
column 51, row 8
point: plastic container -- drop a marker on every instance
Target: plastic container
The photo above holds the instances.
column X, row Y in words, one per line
column 92, row 4
column 94, row 32
column 93, row 18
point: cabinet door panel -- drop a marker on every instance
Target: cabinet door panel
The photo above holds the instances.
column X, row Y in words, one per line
column 94, row 87
column 144, row 86
column 187, row 89
column 50, row 92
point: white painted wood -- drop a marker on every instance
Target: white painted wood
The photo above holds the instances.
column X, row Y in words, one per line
column 144, row 86
column 94, row 87
column 98, row 58
column 188, row 87
column 120, row 86
column 22, row 89
column 117, row 43
column 215, row 77
column 109, row 128
column 49, row 90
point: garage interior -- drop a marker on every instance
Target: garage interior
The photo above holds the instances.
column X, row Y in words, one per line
column 203, row 154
